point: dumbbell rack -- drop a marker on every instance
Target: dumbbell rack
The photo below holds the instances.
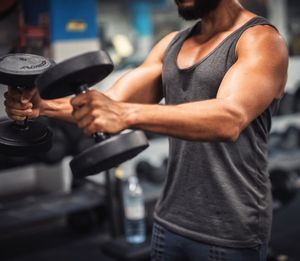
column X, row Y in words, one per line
column 20, row 213
column 285, row 159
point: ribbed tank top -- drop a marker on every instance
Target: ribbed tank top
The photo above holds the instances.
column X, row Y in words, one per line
column 215, row 192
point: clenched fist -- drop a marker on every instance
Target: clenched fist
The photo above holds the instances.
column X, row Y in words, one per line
column 23, row 104
column 95, row 112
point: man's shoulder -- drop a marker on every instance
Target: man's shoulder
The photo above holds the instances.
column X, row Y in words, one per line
column 262, row 33
column 262, row 37
column 169, row 37
column 157, row 53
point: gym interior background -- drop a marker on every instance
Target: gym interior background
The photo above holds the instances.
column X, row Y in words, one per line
column 47, row 215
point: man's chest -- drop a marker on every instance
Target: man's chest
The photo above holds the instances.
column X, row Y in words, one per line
column 196, row 49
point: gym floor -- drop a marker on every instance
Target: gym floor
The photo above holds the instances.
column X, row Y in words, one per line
column 53, row 241
column 286, row 230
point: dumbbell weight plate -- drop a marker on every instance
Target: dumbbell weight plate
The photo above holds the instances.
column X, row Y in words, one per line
column 83, row 70
column 108, row 153
column 15, row 141
column 20, row 71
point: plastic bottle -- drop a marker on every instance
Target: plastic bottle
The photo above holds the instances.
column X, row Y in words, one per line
column 133, row 197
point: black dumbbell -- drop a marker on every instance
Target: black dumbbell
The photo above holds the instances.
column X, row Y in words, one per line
column 284, row 184
column 291, row 139
column 156, row 175
column 75, row 76
column 26, row 137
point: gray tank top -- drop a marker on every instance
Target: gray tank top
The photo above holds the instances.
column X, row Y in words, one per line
column 215, row 192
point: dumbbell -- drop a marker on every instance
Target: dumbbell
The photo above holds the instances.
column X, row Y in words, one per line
column 74, row 76
column 26, row 137
column 156, row 175
column 284, row 184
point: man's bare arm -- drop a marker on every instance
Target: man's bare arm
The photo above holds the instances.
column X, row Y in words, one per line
column 29, row 104
column 143, row 84
column 57, row 108
column 253, row 82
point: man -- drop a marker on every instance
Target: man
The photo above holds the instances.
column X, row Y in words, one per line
column 221, row 80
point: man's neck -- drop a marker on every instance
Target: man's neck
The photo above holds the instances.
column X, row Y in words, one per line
column 223, row 18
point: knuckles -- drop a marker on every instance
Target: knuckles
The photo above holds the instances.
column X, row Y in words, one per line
column 89, row 130
column 94, row 113
column 91, row 112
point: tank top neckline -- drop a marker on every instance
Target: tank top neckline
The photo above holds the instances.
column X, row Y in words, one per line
column 191, row 29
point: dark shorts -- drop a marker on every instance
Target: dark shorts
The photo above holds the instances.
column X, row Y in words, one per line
column 168, row 246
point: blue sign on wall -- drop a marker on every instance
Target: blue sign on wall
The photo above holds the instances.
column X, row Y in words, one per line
column 73, row 19
column 142, row 20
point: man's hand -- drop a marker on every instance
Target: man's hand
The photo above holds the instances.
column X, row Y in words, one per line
column 95, row 112
column 22, row 104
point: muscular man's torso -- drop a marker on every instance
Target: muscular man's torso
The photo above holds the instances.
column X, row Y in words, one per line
column 215, row 192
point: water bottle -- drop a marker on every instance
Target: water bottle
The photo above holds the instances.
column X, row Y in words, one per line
column 134, row 211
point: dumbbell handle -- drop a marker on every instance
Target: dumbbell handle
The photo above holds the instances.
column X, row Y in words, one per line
column 81, row 89
column 98, row 136
column 22, row 124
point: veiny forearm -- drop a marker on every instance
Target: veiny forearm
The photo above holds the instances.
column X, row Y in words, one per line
column 57, row 108
column 211, row 120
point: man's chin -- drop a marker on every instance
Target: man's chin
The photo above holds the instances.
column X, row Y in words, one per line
column 189, row 15
column 198, row 10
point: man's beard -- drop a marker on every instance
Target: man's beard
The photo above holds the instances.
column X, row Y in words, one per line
column 200, row 9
